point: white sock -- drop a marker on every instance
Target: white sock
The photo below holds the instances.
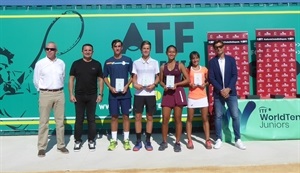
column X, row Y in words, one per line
column 114, row 135
column 126, row 135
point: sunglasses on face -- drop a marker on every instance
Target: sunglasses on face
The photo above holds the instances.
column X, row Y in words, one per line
column 219, row 47
column 50, row 49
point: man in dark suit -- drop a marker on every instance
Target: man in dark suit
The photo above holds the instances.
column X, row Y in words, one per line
column 223, row 76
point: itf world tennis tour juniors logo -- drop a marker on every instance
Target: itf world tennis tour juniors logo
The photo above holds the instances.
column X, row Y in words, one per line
column 275, row 120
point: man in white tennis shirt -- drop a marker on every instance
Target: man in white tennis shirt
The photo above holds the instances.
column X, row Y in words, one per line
column 145, row 72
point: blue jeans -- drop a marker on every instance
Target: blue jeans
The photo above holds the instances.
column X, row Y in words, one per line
column 232, row 104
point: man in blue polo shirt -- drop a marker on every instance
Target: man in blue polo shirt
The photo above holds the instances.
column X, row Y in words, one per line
column 118, row 68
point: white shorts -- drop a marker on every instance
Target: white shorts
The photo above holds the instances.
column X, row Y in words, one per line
column 199, row 103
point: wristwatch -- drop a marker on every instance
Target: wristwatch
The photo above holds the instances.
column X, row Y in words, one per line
column 101, row 95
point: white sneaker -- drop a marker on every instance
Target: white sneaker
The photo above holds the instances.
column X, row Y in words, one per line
column 239, row 144
column 92, row 145
column 77, row 146
column 218, row 144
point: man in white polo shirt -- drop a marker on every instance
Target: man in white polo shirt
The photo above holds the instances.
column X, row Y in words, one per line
column 145, row 72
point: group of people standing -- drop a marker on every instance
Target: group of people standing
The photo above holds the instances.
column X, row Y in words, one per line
column 86, row 85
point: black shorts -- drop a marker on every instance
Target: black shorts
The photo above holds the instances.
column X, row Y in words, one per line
column 141, row 101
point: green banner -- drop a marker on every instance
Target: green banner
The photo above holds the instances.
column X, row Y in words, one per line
column 266, row 120
column 24, row 33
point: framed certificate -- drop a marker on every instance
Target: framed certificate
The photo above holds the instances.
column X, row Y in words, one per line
column 147, row 80
column 198, row 79
column 170, row 79
column 119, row 85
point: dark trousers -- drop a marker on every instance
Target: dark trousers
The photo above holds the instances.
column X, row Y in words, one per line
column 85, row 105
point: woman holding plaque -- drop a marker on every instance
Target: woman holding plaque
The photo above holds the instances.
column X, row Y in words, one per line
column 174, row 97
column 197, row 98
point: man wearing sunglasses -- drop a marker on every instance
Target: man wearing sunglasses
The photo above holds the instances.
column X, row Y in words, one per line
column 48, row 79
column 223, row 76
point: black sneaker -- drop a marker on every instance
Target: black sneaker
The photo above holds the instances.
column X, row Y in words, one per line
column 77, row 146
column 177, row 147
column 162, row 146
column 92, row 145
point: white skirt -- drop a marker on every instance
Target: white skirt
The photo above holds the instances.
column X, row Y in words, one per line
column 199, row 103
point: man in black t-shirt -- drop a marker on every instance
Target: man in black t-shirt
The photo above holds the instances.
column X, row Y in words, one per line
column 89, row 78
